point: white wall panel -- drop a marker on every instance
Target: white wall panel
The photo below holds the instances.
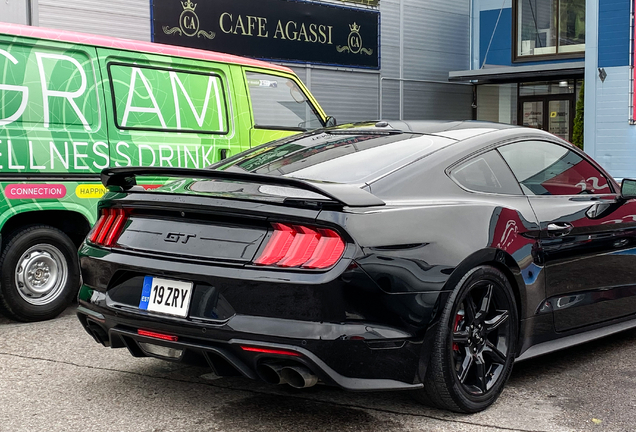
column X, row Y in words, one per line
column 390, row 100
column 437, row 101
column 120, row 18
column 13, row 11
column 615, row 146
column 347, row 96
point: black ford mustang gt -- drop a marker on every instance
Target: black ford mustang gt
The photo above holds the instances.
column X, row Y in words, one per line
column 380, row 256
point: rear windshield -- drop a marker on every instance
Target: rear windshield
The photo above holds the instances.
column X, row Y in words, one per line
column 340, row 157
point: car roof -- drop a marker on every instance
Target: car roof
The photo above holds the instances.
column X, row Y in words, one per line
column 132, row 45
column 458, row 130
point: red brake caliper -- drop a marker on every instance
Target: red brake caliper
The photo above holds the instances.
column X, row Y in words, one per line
column 458, row 319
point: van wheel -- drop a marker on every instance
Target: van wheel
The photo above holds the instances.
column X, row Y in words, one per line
column 475, row 344
column 39, row 274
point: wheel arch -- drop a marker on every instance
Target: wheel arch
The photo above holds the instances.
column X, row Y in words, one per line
column 505, row 263
column 74, row 220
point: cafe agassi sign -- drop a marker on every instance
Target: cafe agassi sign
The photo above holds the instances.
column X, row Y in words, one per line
column 272, row 29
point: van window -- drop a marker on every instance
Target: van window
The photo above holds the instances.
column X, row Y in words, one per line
column 278, row 103
column 47, row 87
column 169, row 100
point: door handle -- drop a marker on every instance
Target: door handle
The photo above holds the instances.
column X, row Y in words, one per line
column 559, row 228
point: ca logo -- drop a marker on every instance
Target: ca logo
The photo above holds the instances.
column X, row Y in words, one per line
column 354, row 42
column 188, row 23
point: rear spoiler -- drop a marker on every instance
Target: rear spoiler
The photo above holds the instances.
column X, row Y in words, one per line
column 346, row 194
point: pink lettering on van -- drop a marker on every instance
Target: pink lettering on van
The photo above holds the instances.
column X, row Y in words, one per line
column 32, row 191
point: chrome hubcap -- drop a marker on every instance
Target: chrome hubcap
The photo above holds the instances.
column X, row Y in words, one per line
column 41, row 274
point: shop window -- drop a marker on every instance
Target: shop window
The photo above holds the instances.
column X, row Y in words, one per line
column 549, row 27
column 497, row 103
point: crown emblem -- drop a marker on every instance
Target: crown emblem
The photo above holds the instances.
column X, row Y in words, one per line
column 353, row 27
column 188, row 5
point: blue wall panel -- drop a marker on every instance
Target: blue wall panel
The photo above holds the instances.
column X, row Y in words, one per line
column 613, row 33
column 501, row 48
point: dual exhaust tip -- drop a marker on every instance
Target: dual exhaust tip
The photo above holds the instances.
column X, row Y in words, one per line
column 297, row 376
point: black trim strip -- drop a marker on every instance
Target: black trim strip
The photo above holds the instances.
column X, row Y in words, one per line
column 575, row 339
column 281, row 128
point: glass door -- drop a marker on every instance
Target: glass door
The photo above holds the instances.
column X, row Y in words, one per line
column 559, row 118
column 551, row 113
column 532, row 114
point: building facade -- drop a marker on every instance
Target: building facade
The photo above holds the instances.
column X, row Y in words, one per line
column 413, row 46
column 533, row 60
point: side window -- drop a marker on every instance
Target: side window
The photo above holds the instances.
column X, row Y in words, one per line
column 47, row 87
column 278, row 103
column 544, row 168
column 169, row 100
column 486, row 173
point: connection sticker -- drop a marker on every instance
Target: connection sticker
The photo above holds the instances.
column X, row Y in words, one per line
column 90, row 191
column 31, row 191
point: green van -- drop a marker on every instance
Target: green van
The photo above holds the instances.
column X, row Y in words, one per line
column 72, row 104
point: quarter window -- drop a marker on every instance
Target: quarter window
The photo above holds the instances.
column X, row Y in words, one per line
column 544, row 168
column 279, row 103
column 486, row 173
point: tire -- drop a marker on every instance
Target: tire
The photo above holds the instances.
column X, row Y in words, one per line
column 39, row 274
column 469, row 366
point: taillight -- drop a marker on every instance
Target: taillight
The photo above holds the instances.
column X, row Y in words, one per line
column 301, row 246
column 108, row 227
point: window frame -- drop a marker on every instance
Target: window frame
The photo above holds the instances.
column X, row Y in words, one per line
column 301, row 87
column 516, row 58
column 610, row 180
column 223, row 92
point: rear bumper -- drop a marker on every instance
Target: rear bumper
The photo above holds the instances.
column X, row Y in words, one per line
column 346, row 330
column 392, row 360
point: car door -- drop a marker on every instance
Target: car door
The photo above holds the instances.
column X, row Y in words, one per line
column 588, row 233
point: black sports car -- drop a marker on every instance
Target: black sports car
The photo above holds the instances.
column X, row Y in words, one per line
column 380, row 256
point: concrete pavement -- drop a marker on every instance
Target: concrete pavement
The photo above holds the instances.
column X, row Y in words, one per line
column 54, row 377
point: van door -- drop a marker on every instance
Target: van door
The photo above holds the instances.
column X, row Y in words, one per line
column 168, row 111
column 280, row 106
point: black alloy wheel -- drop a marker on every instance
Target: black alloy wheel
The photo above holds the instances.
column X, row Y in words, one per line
column 475, row 345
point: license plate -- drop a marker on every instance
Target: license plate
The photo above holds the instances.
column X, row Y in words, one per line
column 166, row 296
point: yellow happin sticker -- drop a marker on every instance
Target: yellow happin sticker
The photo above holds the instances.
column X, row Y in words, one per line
column 90, row 190
column 553, row 114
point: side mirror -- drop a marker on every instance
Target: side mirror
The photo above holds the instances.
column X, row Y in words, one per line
column 331, row 121
column 628, row 189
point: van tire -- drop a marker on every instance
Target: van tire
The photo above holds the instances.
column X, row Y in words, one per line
column 39, row 274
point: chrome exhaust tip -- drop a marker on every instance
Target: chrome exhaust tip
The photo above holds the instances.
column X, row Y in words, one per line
column 271, row 373
column 298, row 376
